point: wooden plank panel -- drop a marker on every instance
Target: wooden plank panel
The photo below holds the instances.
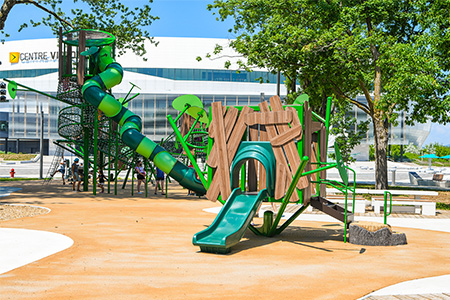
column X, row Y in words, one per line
column 81, row 58
column 278, row 151
column 233, row 144
column 262, row 178
column 230, row 121
column 60, row 55
column 222, row 174
column 211, row 126
column 296, row 121
column 237, row 133
column 280, row 184
column 316, row 126
column 313, row 161
column 295, row 118
column 287, row 136
column 274, row 117
column 290, row 148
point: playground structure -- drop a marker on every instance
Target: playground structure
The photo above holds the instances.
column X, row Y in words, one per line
column 281, row 160
column 274, row 153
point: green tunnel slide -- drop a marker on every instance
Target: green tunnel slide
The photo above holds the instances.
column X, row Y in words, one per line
column 93, row 91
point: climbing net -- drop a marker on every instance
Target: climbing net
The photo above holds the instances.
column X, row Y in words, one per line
column 69, row 91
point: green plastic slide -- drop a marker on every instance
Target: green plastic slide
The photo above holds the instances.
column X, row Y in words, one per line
column 93, row 91
column 231, row 222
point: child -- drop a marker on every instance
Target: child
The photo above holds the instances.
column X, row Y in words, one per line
column 140, row 175
column 62, row 169
column 159, row 180
column 101, row 180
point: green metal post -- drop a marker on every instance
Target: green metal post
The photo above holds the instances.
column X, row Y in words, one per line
column 116, row 160
column 94, row 175
column 289, row 193
column 243, row 177
column 386, row 214
column 87, row 139
column 109, row 155
column 327, row 119
column 167, row 183
column 126, row 178
column 146, row 176
column 188, row 153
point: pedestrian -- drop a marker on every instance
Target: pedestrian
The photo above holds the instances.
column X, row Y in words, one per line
column 62, row 170
column 140, row 175
column 159, row 181
column 76, row 175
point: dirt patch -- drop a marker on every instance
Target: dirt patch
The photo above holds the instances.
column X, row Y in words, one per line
column 10, row 212
column 443, row 197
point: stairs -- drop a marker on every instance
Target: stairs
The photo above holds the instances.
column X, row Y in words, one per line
column 332, row 209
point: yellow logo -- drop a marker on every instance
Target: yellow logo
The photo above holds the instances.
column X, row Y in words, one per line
column 14, row 57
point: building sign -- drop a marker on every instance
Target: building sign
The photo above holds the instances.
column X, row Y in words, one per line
column 34, row 57
column 14, row 57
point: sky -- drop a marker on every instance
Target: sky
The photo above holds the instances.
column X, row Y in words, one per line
column 178, row 18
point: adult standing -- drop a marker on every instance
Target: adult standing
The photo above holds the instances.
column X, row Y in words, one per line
column 76, row 175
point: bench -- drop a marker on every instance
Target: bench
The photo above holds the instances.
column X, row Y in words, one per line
column 415, row 178
column 360, row 202
column 421, row 206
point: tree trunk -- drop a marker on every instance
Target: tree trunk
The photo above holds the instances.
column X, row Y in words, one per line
column 380, row 133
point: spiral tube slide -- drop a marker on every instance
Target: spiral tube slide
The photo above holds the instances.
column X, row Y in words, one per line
column 93, row 91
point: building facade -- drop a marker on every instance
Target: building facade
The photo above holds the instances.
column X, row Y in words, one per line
column 167, row 71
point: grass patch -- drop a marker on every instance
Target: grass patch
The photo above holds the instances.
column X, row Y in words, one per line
column 17, row 156
column 444, row 206
column 18, row 179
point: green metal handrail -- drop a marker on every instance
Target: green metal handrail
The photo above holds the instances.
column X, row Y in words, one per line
column 386, row 214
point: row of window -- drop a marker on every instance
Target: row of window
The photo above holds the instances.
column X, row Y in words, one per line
column 152, row 108
column 171, row 73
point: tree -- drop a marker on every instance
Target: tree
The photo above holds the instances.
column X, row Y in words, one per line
column 128, row 25
column 395, row 53
column 343, row 128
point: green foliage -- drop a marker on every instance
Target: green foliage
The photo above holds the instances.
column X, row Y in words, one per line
column 444, row 206
column 371, row 152
column 343, row 128
column 413, row 149
column 114, row 16
column 18, row 179
column 393, row 52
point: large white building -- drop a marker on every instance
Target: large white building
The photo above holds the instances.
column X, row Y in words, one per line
column 167, row 70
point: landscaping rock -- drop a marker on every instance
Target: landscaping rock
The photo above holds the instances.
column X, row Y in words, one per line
column 375, row 234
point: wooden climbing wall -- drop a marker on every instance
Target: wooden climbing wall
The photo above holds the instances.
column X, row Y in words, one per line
column 282, row 127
